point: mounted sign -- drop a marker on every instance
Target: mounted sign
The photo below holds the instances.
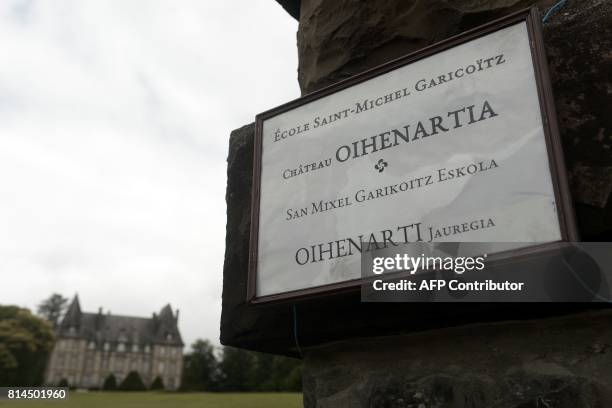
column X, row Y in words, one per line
column 457, row 142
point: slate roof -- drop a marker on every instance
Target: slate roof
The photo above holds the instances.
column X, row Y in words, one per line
column 105, row 327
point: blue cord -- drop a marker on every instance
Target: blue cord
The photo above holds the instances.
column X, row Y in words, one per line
column 553, row 10
column 295, row 330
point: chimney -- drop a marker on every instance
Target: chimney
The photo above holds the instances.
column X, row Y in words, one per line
column 177, row 315
column 100, row 310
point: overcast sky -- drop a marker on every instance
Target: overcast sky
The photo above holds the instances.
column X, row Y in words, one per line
column 114, row 124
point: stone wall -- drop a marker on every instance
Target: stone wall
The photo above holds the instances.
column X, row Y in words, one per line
column 541, row 363
column 552, row 363
column 474, row 361
column 340, row 38
column 166, row 363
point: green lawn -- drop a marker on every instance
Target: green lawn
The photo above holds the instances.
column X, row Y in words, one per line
column 163, row 400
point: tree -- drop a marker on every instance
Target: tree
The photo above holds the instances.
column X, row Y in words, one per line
column 200, row 372
column 276, row 373
column 110, row 383
column 263, row 372
column 236, row 370
column 287, row 374
column 157, row 384
column 52, row 308
column 242, row 370
column 25, row 343
column 132, row 382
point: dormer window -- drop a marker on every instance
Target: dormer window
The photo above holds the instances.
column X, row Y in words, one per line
column 135, row 348
column 168, row 336
column 72, row 330
column 147, row 349
column 106, row 346
column 121, row 347
column 91, row 345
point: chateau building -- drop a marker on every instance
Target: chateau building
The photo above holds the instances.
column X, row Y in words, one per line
column 90, row 346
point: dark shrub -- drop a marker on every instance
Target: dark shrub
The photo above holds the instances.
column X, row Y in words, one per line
column 110, row 383
column 132, row 382
column 157, row 384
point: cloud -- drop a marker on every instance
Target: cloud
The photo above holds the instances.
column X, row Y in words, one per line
column 114, row 125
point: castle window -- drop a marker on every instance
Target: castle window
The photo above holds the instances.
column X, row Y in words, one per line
column 147, row 349
column 121, row 347
column 135, row 348
column 160, row 368
column 72, row 330
column 162, row 351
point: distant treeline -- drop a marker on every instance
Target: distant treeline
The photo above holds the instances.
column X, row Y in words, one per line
column 26, row 341
column 238, row 370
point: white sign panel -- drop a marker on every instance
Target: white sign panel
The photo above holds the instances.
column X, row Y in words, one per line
column 451, row 147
